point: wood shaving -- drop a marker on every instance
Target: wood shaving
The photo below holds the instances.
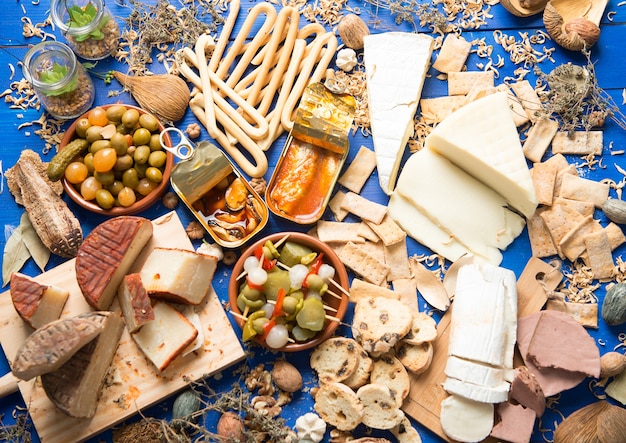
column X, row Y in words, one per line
column 328, row 12
column 524, row 51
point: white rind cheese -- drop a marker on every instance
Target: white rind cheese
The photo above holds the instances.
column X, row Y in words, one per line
column 395, row 65
column 466, row 420
column 471, row 372
column 481, row 138
column 482, row 394
column 465, row 208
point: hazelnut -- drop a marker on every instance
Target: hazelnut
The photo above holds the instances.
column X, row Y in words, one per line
column 230, row 428
column 230, row 258
column 193, row 130
column 286, row 376
column 195, row 230
column 352, row 30
column 170, row 200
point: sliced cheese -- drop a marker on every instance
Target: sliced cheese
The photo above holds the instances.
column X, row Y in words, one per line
column 481, row 138
column 479, row 393
column 448, row 196
column 471, row 372
column 395, row 65
column 466, row 420
column 38, row 304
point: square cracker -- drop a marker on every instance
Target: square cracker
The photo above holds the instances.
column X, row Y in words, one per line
column 397, row 259
column 583, row 189
column 359, row 170
column 544, row 177
column 364, row 208
column 363, row 264
column 407, row 289
column 360, row 289
column 598, row 255
column 560, row 220
column 541, row 244
column 460, row 83
column 434, row 110
column 335, row 205
column 572, row 244
column 388, row 231
column 529, row 99
column 578, row 143
column 453, row 54
column 539, row 137
column 329, row 232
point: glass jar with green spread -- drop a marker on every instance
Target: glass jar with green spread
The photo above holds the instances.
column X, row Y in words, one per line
column 88, row 26
column 61, row 83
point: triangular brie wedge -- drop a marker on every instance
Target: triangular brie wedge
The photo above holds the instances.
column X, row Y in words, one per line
column 395, row 66
column 481, row 138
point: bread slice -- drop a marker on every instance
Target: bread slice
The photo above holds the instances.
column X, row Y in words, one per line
column 52, row 345
column 416, row 358
column 390, row 371
column 363, row 369
column 178, row 275
column 423, row 329
column 135, row 303
column 338, row 406
column 405, row 432
column 107, row 254
column 37, row 303
column 76, row 386
column 335, row 359
column 380, row 409
column 166, row 337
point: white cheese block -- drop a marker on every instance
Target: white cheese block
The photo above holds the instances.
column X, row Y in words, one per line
column 166, row 337
column 482, row 394
column 466, row 420
column 190, row 313
column 481, row 138
column 476, row 373
column 178, row 275
column 484, row 316
column 467, row 209
column 395, row 66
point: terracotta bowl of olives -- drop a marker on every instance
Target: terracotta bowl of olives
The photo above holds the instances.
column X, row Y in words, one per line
column 288, row 292
column 123, row 169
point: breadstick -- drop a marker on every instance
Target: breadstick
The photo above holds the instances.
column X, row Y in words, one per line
column 227, row 29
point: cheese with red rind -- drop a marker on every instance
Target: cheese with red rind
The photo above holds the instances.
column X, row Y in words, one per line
column 52, row 345
column 135, row 302
column 37, row 303
column 107, row 254
column 77, row 385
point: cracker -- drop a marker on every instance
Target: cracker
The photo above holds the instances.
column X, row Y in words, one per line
column 539, row 138
column 359, row 170
column 365, row 209
column 360, row 289
column 599, row 257
column 453, row 54
column 363, row 264
column 374, row 249
column 541, row 244
column 434, row 110
column 529, row 99
column 519, row 114
column 460, row 83
column 416, row 358
column 572, row 244
column 584, row 189
column 584, row 313
column 329, row 231
column 544, row 177
column 397, row 259
column 615, row 235
column 578, row 143
column 367, row 233
column 423, row 329
column 560, row 220
column 388, row 231
column 568, row 170
column 335, row 205
column 406, row 433
column 406, row 288
column 584, row 208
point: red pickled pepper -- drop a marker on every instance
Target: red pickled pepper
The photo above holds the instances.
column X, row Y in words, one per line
column 315, row 267
column 265, row 262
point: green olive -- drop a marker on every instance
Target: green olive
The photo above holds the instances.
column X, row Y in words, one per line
column 123, row 163
column 250, row 293
column 290, row 304
column 115, row 113
column 104, row 199
column 141, row 154
column 119, row 143
column 93, row 133
column 154, row 174
column 315, row 283
column 82, row 125
column 155, row 143
column 149, row 122
column 157, row 159
column 115, row 187
column 105, row 178
column 141, row 169
column 145, row 186
column 259, row 324
column 130, row 178
column 130, row 118
column 141, row 136
column 242, row 302
column 98, row 145
column 88, row 161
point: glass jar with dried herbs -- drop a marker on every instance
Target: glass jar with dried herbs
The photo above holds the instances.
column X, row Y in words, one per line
column 61, row 83
column 88, row 26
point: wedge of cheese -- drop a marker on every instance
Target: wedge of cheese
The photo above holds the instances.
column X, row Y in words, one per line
column 481, row 138
column 395, row 65
column 462, row 206
column 38, row 304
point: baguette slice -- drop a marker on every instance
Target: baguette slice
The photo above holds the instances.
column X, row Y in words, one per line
column 107, row 254
column 166, row 337
column 135, row 303
column 380, row 409
column 38, row 304
column 76, row 386
column 178, row 275
column 51, row 346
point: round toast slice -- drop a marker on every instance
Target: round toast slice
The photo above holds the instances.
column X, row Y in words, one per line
column 335, row 359
column 338, row 406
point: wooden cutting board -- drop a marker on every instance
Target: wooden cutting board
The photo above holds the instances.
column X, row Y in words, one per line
column 132, row 383
column 424, row 400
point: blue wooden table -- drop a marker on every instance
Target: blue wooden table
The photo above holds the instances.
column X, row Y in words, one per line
column 610, row 64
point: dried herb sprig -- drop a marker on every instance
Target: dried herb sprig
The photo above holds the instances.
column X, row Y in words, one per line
column 18, row 432
column 575, row 98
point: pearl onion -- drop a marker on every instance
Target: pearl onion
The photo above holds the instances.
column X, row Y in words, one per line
column 297, row 274
column 326, row 272
column 257, row 276
column 269, row 309
column 250, row 263
column 277, row 337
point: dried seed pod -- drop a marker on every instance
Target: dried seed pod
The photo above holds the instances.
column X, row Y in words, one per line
column 230, row 427
column 615, row 210
column 612, row 364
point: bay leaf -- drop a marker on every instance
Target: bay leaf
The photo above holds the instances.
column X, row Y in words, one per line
column 14, row 256
column 36, row 248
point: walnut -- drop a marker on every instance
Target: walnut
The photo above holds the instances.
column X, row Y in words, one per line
column 193, row 130
column 194, row 230
column 337, row 436
column 170, row 200
column 259, row 185
column 230, row 258
column 260, row 379
column 266, row 405
column 284, row 398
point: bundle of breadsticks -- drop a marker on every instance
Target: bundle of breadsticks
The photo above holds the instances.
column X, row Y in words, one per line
column 246, row 92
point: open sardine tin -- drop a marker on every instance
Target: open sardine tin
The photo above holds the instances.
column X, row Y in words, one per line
column 218, row 195
column 313, row 156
